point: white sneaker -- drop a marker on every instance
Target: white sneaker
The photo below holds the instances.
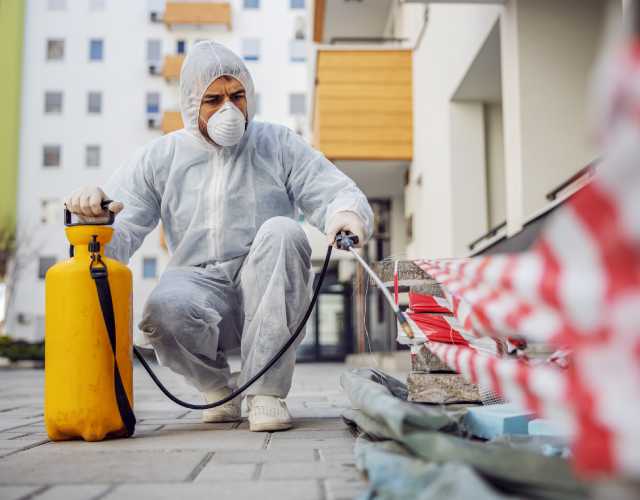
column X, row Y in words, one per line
column 268, row 413
column 228, row 412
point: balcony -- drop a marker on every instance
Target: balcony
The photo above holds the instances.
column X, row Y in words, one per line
column 171, row 120
column 171, row 67
column 197, row 14
column 363, row 106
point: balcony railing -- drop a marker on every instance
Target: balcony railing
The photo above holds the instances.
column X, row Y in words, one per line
column 171, row 66
column 171, row 120
column 197, row 14
column 573, row 183
column 496, row 239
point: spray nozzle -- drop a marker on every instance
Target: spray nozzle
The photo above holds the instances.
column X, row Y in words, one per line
column 346, row 240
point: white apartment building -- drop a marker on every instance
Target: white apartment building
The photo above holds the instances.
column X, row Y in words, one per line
column 100, row 81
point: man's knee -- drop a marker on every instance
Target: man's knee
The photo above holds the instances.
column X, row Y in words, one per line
column 164, row 310
column 283, row 229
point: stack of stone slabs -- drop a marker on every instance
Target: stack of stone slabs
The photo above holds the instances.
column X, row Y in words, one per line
column 430, row 381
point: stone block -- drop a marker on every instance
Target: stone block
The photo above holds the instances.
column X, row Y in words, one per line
column 492, row 421
column 441, row 388
column 425, row 361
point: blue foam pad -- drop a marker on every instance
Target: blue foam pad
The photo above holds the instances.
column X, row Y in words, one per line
column 492, row 421
column 546, row 427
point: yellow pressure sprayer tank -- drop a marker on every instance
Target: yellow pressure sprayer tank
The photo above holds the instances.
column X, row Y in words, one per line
column 88, row 340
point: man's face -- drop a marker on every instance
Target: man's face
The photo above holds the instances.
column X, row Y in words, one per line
column 223, row 89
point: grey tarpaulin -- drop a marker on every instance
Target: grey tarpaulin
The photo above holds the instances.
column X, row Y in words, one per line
column 436, row 434
column 393, row 473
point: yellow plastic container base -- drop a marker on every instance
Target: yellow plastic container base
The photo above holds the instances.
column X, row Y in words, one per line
column 80, row 398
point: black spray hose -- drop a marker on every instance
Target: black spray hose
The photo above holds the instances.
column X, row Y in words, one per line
column 265, row 368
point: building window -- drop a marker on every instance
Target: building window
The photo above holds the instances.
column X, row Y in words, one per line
column 296, row 4
column 57, row 4
column 94, row 102
column 44, row 263
column 51, row 155
column 53, row 102
column 96, row 5
column 96, row 49
column 251, row 49
column 297, row 104
column 251, row 4
column 92, row 156
column 55, row 49
column 300, row 28
column 153, row 103
column 298, row 51
column 154, row 51
column 51, row 210
column 149, row 267
column 181, row 47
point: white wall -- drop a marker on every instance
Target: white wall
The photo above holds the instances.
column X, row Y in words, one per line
column 496, row 189
column 548, row 52
column 121, row 128
column 452, row 39
column 468, row 174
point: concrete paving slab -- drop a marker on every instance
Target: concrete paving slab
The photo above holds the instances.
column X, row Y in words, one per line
column 336, row 455
column 17, row 492
column 318, row 424
column 224, row 490
column 226, row 472
column 344, row 489
column 60, row 465
column 313, row 434
column 74, row 492
column 293, row 444
column 23, row 442
column 210, row 440
column 18, row 422
column 307, row 470
column 179, row 425
column 174, row 455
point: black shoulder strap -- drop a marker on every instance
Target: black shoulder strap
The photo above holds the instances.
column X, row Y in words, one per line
column 100, row 276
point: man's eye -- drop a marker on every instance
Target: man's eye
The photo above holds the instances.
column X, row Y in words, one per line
column 212, row 100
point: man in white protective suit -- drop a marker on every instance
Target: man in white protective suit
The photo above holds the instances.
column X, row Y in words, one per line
column 226, row 189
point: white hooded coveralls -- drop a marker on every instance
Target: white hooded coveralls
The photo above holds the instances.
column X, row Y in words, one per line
column 239, row 271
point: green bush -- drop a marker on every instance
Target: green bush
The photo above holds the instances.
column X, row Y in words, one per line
column 19, row 350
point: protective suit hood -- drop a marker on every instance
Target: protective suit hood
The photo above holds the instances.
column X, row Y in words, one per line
column 205, row 62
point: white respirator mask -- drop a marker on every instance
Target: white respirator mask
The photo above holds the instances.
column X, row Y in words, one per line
column 226, row 126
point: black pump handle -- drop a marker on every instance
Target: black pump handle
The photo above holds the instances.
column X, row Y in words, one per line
column 104, row 204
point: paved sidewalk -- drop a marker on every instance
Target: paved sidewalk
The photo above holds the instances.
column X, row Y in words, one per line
column 174, row 456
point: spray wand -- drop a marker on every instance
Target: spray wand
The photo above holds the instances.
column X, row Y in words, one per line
column 347, row 241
